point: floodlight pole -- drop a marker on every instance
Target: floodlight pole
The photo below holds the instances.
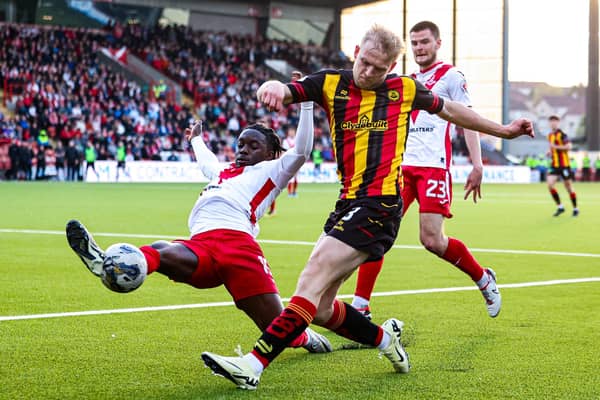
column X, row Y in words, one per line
column 405, row 36
column 592, row 102
column 454, row 5
column 505, row 81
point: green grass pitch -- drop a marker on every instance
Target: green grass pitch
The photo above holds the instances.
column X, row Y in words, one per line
column 545, row 344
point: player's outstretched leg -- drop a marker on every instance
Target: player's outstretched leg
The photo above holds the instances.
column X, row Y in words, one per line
column 491, row 294
column 83, row 244
column 395, row 351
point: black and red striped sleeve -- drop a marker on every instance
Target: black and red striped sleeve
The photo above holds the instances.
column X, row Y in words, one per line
column 309, row 88
column 426, row 100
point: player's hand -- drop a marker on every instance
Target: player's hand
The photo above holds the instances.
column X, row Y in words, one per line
column 271, row 94
column 193, row 131
column 519, row 127
column 473, row 184
column 296, row 75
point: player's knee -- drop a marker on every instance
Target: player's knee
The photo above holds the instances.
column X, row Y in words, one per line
column 432, row 243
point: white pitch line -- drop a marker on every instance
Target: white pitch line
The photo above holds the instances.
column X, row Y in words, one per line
column 303, row 243
column 345, row 296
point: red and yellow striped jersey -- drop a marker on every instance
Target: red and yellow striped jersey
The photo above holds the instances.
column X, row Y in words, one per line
column 560, row 158
column 368, row 127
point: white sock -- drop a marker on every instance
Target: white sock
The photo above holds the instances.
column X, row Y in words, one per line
column 359, row 302
column 254, row 363
column 385, row 341
column 485, row 279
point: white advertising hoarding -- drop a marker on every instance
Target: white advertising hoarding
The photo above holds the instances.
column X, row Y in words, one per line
column 186, row 171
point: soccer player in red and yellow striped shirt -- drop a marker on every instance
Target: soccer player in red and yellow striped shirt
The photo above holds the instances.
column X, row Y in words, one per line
column 369, row 110
column 560, row 166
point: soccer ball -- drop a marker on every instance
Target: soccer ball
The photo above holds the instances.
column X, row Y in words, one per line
column 125, row 268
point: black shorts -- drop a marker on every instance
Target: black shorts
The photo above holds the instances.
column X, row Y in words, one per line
column 564, row 172
column 120, row 164
column 369, row 224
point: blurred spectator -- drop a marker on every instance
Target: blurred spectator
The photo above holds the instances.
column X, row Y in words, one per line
column 25, row 162
column 59, row 155
column 586, row 168
column 72, row 157
column 91, row 154
column 40, row 166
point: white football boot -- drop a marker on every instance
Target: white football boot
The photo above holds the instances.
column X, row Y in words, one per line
column 317, row 343
column 395, row 352
column 83, row 244
column 236, row 369
column 491, row 294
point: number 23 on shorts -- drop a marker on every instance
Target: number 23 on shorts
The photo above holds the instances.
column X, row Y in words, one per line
column 436, row 189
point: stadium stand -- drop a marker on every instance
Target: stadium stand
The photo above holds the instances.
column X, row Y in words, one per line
column 58, row 90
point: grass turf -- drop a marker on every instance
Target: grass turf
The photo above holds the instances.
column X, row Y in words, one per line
column 544, row 344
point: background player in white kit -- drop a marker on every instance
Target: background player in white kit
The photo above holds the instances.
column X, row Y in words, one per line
column 222, row 249
column 426, row 173
column 288, row 142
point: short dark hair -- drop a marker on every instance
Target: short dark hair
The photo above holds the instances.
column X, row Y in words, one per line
column 423, row 25
column 554, row 117
column 273, row 142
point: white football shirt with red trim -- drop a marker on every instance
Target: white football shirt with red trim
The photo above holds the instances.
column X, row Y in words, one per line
column 238, row 197
column 429, row 142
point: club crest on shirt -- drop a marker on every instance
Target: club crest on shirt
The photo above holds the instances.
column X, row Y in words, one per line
column 342, row 95
column 393, row 95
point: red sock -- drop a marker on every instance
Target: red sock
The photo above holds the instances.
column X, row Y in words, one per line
column 367, row 275
column 555, row 196
column 272, row 207
column 573, row 197
column 152, row 258
column 458, row 255
column 290, row 188
column 294, row 186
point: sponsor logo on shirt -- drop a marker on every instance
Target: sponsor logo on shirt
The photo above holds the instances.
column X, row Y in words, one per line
column 365, row 123
column 393, row 95
column 427, row 129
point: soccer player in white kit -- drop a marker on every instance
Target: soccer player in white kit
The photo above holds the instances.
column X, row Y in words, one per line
column 288, row 143
column 426, row 173
column 222, row 249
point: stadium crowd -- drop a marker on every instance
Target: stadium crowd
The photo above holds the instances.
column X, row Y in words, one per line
column 61, row 97
column 61, row 93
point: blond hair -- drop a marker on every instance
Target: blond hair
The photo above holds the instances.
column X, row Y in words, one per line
column 384, row 40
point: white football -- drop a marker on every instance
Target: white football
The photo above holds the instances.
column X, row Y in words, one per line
column 125, row 268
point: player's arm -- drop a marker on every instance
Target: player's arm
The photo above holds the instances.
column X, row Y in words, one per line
column 274, row 94
column 473, row 183
column 293, row 159
column 457, row 91
column 209, row 164
column 463, row 116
